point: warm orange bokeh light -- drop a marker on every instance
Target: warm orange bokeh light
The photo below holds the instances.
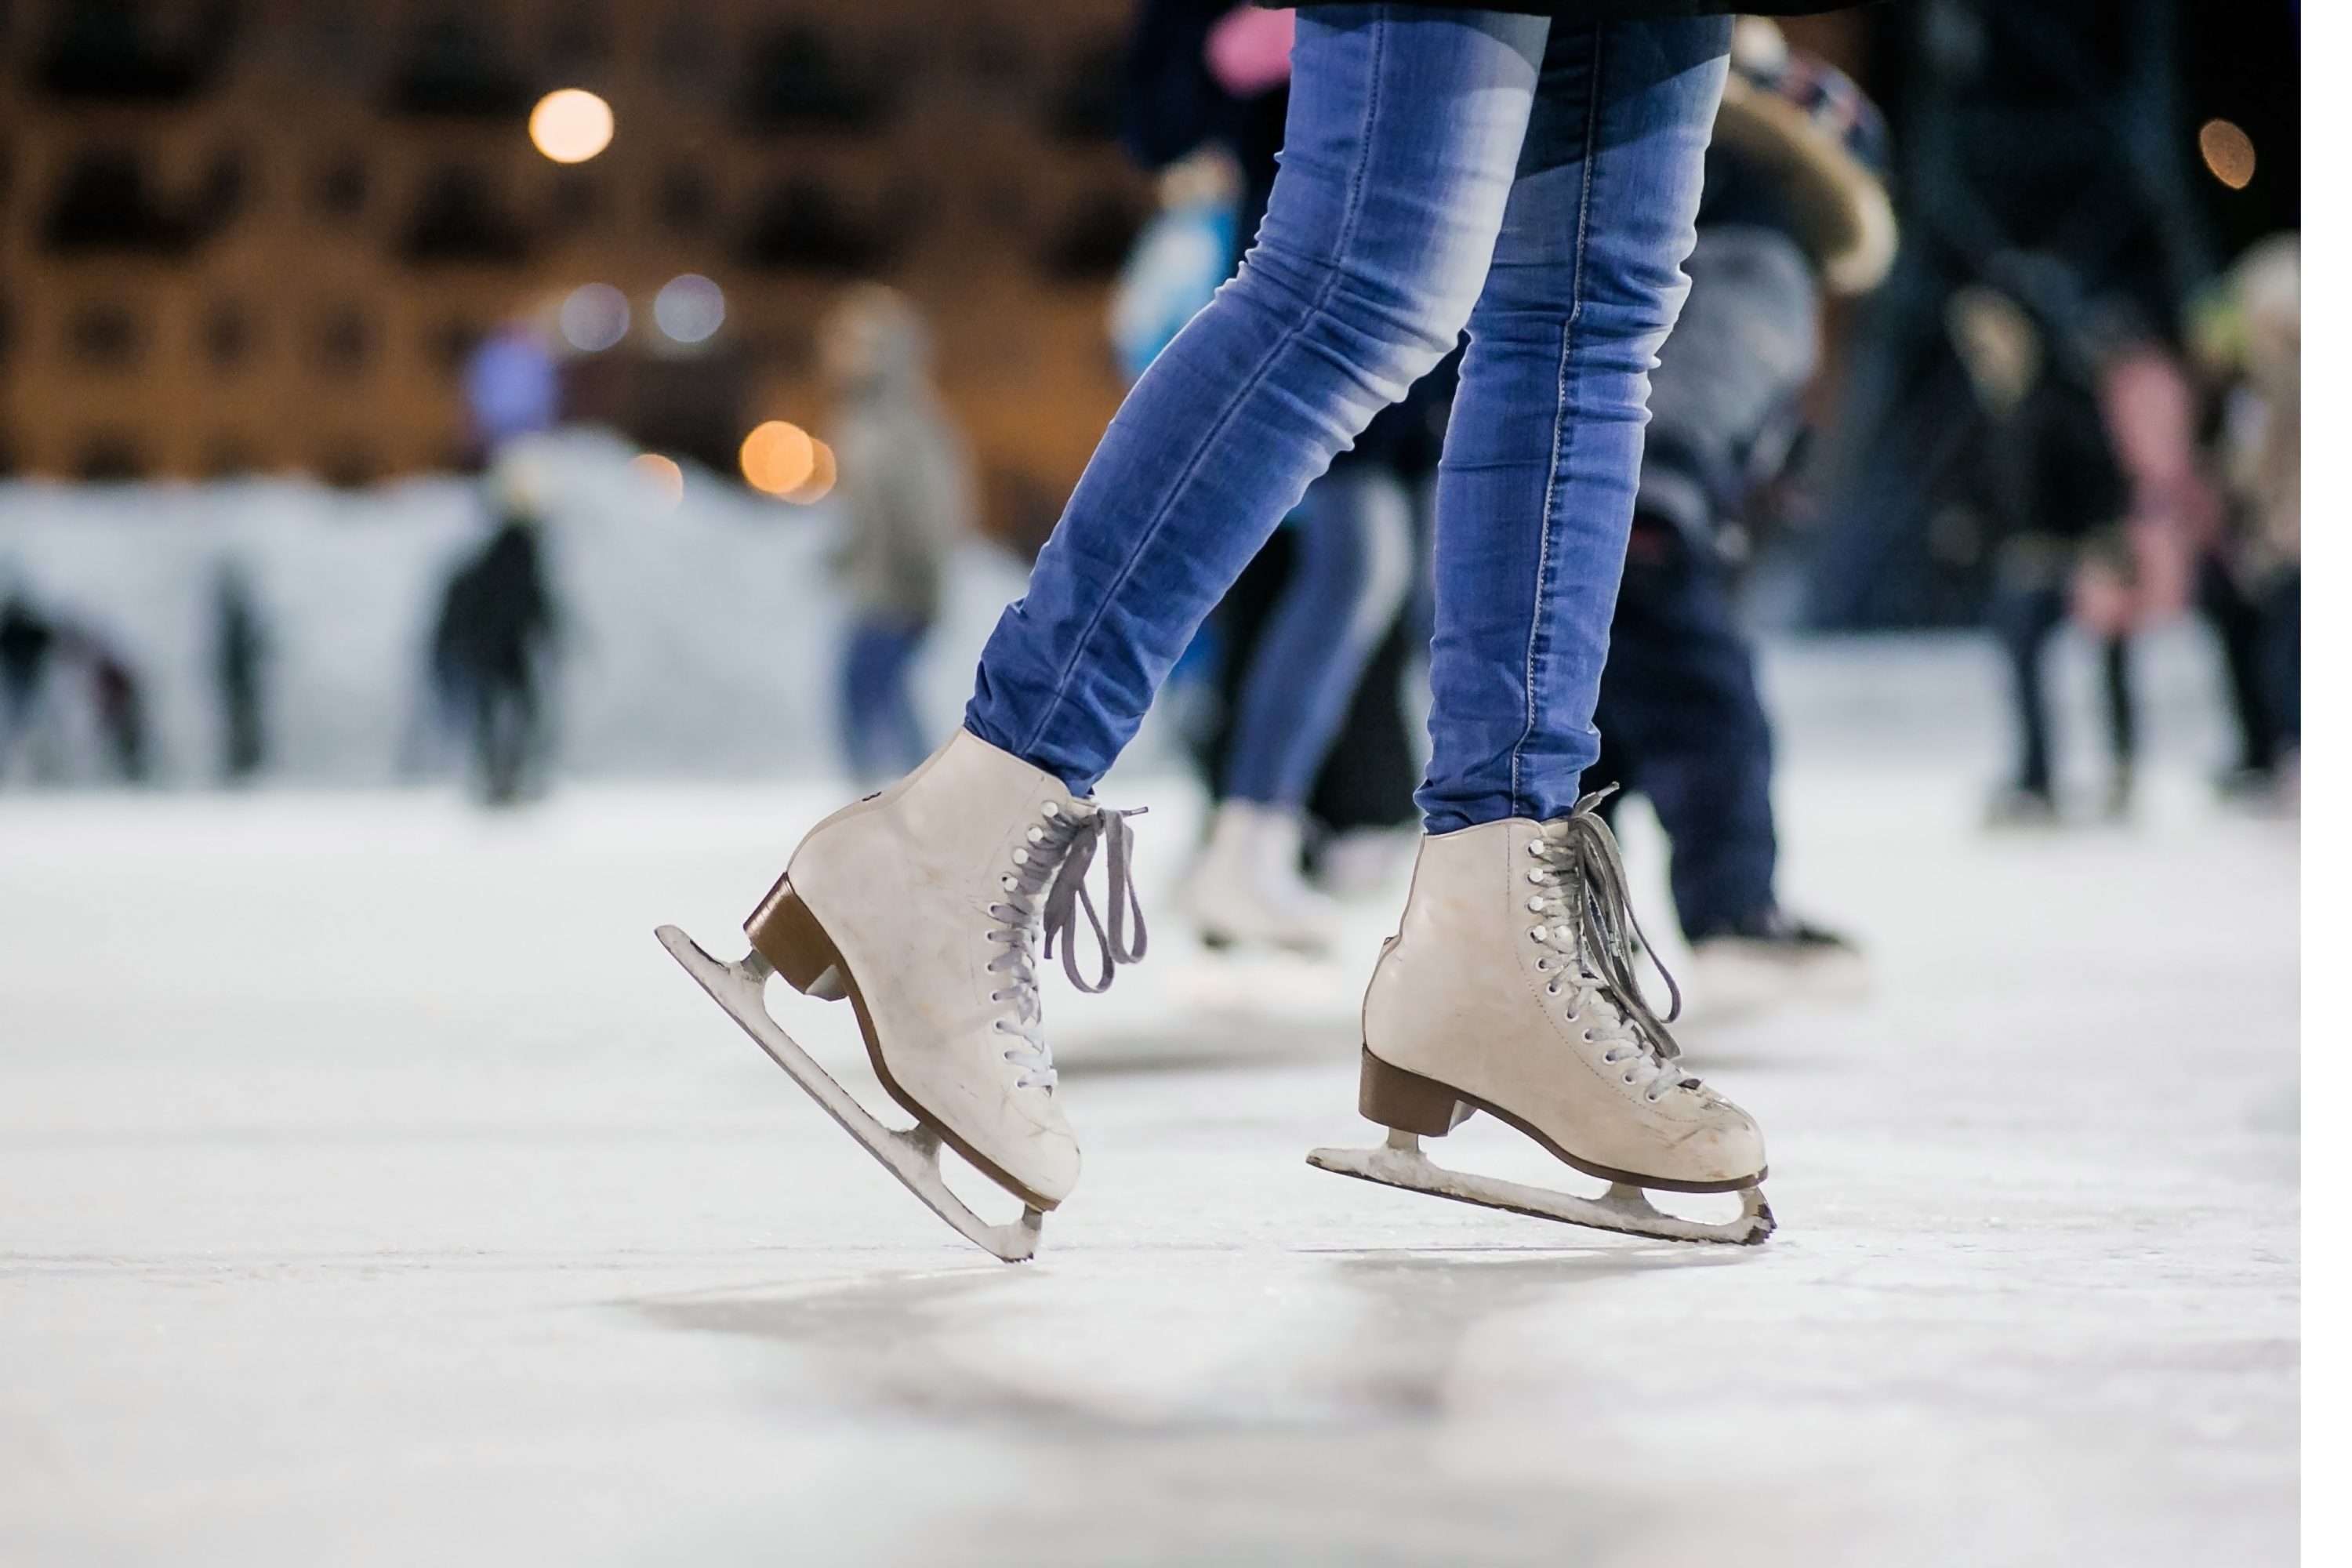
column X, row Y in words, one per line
column 2229, row 154
column 572, row 125
column 819, row 484
column 779, row 458
column 661, row 476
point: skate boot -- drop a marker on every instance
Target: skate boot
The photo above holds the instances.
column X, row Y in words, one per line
column 928, row 906
column 1248, row 892
column 1771, row 958
column 1508, row 989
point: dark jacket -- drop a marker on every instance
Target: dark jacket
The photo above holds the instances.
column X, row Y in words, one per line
column 1615, row 10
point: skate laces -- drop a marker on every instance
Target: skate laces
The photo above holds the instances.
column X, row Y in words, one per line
column 1044, row 894
column 1588, row 922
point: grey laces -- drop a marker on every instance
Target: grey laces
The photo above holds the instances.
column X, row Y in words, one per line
column 1044, row 894
column 1589, row 923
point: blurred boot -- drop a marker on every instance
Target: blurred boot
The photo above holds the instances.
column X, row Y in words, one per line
column 1247, row 891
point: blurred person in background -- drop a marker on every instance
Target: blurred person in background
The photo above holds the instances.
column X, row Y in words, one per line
column 28, row 640
column 1795, row 205
column 240, row 655
column 2259, row 344
column 118, row 700
column 1287, row 648
column 1442, row 168
column 2050, row 485
column 494, row 641
column 906, row 494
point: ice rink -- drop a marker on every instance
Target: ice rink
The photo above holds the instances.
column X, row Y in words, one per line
column 374, row 1190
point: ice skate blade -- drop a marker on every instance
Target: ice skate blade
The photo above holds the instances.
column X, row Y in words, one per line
column 1624, row 1208
column 912, row 1156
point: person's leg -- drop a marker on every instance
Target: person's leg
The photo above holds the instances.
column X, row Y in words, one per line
column 2238, row 624
column 908, row 746
column 1536, row 489
column 1511, row 983
column 862, row 698
column 2282, row 657
column 2122, row 718
column 1348, row 574
column 2023, row 620
column 1403, row 127
column 1679, row 695
column 1349, row 567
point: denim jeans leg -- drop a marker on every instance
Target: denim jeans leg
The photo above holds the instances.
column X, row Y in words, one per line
column 1536, row 489
column 1351, row 570
column 1404, row 126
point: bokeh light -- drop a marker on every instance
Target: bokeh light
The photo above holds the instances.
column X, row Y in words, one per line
column 661, row 476
column 779, row 458
column 2229, row 154
column 689, row 308
column 822, row 474
column 572, row 125
column 595, row 317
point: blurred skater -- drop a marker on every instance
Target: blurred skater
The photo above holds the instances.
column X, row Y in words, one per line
column 1442, row 169
column 2262, row 562
column 495, row 638
column 1795, row 203
column 120, row 701
column 906, row 495
column 2052, row 491
column 240, row 651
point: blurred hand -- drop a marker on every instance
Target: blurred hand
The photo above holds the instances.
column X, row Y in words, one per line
column 1249, row 51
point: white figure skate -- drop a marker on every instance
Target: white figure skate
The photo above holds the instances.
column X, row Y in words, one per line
column 924, row 907
column 1508, row 989
column 1247, row 891
column 1773, row 959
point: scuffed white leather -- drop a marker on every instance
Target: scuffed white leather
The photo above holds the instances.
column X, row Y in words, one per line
column 1458, row 997
column 902, row 883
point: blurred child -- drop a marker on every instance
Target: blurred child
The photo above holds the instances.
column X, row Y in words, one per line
column 906, row 494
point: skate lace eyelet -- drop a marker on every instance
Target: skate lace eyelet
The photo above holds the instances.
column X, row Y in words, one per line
column 1037, row 836
column 1551, row 990
column 1538, row 934
column 1021, row 856
column 1629, row 1078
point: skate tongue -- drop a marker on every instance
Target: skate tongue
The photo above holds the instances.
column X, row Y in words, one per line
column 1067, row 896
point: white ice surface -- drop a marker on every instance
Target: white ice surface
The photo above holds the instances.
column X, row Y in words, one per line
column 374, row 1190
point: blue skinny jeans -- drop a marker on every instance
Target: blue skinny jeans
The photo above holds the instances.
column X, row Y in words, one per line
column 880, row 735
column 1536, row 180
column 1352, row 568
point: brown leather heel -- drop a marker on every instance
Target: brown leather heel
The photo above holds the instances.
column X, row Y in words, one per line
column 1408, row 1101
column 783, row 933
